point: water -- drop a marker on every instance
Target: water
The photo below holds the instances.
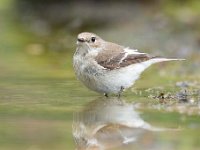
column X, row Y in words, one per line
column 44, row 107
column 49, row 113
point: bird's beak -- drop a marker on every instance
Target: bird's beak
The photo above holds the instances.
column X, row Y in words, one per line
column 81, row 40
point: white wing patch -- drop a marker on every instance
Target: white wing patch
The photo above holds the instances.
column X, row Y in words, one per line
column 129, row 51
column 132, row 51
column 124, row 57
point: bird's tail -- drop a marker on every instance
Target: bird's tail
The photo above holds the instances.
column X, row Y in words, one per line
column 142, row 66
column 160, row 59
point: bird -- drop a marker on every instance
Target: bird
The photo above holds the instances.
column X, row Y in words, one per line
column 109, row 68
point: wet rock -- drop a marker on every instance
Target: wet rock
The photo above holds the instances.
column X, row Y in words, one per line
column 185, row 84
column 182, row 96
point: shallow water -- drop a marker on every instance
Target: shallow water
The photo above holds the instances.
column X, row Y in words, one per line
column 51, row 113
column 43, row 106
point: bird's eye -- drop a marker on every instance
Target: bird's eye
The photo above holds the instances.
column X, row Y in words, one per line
column 93, row 39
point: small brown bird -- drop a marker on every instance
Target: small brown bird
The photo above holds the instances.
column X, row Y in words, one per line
column 107, row 67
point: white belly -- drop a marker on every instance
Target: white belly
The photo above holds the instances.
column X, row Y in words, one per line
column 106, row 81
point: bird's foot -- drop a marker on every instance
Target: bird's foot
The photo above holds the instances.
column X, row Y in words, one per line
column 119, row 95
column 121, row 90
column 106, row 94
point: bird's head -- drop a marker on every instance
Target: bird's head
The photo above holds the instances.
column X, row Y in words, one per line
column 90, row 41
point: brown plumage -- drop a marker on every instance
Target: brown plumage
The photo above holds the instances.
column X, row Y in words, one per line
column 113, row 57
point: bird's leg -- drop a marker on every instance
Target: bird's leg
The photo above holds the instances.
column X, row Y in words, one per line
column 121, row 90
column 106, row 94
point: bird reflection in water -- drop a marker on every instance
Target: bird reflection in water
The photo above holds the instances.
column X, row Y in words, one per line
column 110, row 123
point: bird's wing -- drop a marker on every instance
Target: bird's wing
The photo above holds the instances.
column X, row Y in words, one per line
column 114, row 56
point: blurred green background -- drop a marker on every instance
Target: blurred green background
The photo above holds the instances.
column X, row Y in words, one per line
column 38, row 89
